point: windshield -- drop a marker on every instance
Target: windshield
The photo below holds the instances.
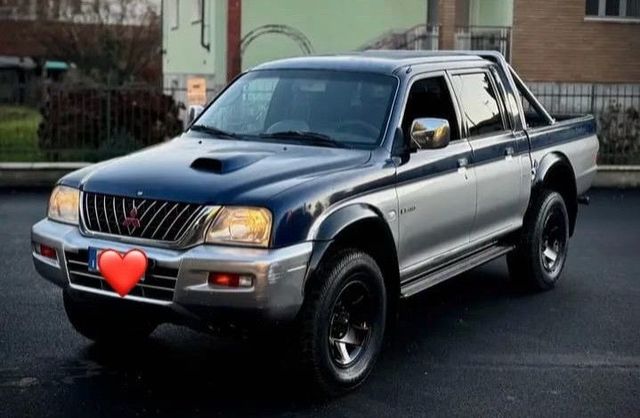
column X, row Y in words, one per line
column 324, row 107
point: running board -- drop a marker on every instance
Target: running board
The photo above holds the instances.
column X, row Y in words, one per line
column 441, row 274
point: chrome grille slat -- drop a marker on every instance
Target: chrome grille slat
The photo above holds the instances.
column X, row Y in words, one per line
column 85, row 210
column 164, row 219
column 95, row 207
column 174, row 221
column 106, row 214
column 158, row 220
column 115, row 214
column 188, row 222
column 153, row 217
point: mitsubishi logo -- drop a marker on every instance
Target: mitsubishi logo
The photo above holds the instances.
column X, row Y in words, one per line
column 132, row 220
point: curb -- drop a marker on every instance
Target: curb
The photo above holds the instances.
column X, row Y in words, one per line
column 617, row 176
column 33, row 175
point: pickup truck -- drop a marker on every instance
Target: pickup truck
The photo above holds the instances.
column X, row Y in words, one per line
column 314, row 193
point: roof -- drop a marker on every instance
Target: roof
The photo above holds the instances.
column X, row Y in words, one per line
column 379, row 61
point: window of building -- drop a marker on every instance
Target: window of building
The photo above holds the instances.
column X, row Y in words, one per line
column 613, row 8
column 173, row 9
column 479, row 102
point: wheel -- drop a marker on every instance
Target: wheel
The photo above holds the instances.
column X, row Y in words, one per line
column 106, row 324
column 541, row 250
column 342, row 322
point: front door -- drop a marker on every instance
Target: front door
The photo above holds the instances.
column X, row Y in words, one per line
column 436, row 190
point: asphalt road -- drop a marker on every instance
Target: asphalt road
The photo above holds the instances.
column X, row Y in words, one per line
column 473, row 346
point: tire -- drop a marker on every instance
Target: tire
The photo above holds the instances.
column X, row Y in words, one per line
column 333, row 321
column 541, row 249
column 106, row 324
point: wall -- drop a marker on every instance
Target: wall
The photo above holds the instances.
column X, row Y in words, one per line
column 329, row 25
column 183, row 54
column 491, row 12
column 553, row 42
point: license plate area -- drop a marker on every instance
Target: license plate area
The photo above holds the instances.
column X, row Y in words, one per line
column 93, row 254
column 92, row 262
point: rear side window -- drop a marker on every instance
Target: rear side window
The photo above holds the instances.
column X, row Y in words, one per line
column 479, row 101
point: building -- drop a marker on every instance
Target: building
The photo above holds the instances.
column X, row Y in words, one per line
column 217, row 41
column 555, row 45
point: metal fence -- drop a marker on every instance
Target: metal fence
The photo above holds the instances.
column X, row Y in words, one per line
column 75, row 124
column 478, row 38
column 616, row 108
column 87, row 123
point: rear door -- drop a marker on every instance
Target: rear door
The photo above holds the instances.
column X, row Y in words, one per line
column 497, row 151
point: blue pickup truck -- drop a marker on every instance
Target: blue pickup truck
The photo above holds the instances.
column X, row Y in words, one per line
column 312, row 194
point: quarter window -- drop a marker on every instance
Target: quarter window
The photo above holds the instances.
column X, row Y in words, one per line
column 481, row 110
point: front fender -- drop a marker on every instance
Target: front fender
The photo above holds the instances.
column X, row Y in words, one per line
column 329, row 227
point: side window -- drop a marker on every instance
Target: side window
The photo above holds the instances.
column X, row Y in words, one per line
column 479, row 102
column 430, row 98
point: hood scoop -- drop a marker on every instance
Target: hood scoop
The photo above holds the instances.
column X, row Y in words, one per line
column 210, row 165
column 227, row 162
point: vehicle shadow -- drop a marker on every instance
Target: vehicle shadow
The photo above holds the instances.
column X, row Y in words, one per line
column 198, row 374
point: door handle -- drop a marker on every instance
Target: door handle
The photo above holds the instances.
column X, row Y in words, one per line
column 462, row 162
column 509, row 151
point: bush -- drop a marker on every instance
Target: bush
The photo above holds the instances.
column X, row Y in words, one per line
column 91, row 124
column 619, row 135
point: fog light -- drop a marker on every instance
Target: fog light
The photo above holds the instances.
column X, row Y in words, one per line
column 46, row 251
column 230, row 280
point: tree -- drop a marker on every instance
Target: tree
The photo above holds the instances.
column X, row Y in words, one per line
column 110, row 41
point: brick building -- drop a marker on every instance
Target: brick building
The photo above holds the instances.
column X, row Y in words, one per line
column 550, row 40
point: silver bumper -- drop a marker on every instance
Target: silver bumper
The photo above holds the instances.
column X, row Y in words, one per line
column 278, row 274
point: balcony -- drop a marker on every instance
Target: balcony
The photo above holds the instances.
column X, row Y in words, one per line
column 494, row 38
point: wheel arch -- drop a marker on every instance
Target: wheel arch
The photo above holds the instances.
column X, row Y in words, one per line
column 364, row 227
column 555, row 172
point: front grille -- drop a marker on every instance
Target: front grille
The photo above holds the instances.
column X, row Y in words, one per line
column 139, row 218
column 159, row 282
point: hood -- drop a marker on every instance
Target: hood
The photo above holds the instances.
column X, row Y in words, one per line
column 209, row 171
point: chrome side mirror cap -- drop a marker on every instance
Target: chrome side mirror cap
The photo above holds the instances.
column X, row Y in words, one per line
column 193, row 112
column 430, row 133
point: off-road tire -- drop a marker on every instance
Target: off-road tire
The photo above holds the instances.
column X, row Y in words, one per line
column 527, row 264
column 341, row 272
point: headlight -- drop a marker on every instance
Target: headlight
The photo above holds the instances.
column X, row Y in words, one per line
column 241, row 225
column 64, row 205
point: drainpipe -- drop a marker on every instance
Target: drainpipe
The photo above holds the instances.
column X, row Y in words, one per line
column 234, row 23
column 205, row 45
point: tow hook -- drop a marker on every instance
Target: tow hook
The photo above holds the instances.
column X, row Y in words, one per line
column 584, row 199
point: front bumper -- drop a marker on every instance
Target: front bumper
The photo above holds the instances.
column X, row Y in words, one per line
column 276, row 294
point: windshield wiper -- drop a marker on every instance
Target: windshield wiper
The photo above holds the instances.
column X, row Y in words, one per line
column 214, row 131
column 314, row 138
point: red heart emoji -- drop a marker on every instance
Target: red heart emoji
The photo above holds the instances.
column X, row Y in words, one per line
column 122, row 272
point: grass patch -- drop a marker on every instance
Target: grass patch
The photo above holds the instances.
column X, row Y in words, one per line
column 19, row 134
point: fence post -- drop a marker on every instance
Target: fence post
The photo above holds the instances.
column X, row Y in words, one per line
column 593, row 98
column 108, row 91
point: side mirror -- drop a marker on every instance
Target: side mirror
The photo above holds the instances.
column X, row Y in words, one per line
column 429, row 133
column 193, row 112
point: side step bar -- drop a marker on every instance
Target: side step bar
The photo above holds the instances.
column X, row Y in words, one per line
column 441, row 274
